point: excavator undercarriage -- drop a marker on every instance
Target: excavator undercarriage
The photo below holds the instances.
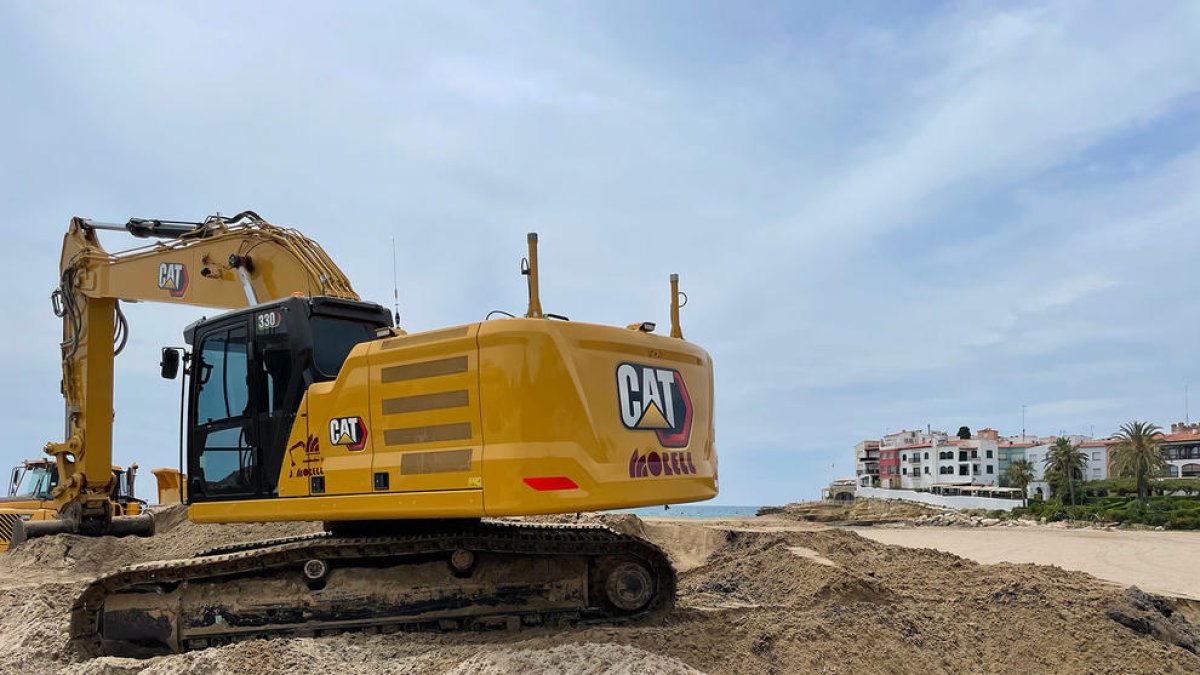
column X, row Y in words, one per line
column 464, row 576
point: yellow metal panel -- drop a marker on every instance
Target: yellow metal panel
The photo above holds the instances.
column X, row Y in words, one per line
column 381, row 506
column 551, row 408
column 426, row 400
column 542, row 427
column 346, row 469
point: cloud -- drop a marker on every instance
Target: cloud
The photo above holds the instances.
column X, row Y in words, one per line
column 883, row 218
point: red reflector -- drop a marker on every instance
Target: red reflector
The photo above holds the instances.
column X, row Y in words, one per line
column 551, row 483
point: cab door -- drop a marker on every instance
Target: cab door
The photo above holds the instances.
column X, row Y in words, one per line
column 223, row 461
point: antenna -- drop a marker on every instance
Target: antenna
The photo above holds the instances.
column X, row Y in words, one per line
column 395, row 285
column 1187, row 418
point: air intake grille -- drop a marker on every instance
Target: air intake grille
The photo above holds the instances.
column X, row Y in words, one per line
column 7, row 522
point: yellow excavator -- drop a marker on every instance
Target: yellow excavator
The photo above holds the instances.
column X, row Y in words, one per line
column 315, row 406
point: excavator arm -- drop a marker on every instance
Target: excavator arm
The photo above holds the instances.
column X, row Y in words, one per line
column 220, row 262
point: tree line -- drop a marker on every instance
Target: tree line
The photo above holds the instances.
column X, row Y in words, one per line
column 1137, row 454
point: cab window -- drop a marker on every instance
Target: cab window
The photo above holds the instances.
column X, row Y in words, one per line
column 332, row 341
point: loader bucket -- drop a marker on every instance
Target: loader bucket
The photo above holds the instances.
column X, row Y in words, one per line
column 120, row 526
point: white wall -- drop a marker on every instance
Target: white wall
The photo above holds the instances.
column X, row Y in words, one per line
column 940, row 500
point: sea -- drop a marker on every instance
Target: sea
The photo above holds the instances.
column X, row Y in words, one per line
column 693, row 511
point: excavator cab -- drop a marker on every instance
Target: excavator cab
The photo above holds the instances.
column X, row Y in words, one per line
column 32, row 480
column 249, row 370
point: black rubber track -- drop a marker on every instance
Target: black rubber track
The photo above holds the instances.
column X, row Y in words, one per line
column 487, row 536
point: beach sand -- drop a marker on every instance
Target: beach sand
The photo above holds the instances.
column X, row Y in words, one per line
column 756, row 595
column 1157, row 562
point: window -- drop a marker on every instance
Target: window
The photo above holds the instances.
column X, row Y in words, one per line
column 224, row 391
column 989, row 454
column 926, row 470
column 962, row 469
column 905, row 471
column 974, row 454
column 991, row 469
column 1191, row 470
column 222, row 414
column 927, row 455
column 34, row 483
column 903, row 458
column 1096, row 456
column 332, row 341
column 1096, row 472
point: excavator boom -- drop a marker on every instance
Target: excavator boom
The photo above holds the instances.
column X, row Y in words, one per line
column 220, row 262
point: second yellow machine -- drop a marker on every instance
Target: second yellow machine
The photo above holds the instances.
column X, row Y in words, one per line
column 317, row 408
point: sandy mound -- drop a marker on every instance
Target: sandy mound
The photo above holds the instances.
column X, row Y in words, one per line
column 858, row 512
column 807, row 600
column 174, row 537
column 306, row 655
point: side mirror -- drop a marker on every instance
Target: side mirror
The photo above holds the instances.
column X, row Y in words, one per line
column 169, row 363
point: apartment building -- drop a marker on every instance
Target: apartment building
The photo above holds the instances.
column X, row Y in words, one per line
column 1182, row 450
column 866, row 463
column 946, row 461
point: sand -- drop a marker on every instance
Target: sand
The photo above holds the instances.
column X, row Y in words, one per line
column 756, row 596
column 1159, row 562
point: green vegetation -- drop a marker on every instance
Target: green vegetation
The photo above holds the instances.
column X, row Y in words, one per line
column 1069, row 462
column 1175, row 512
column 1136, row 493
column 1020, row 474
column 1137, row 454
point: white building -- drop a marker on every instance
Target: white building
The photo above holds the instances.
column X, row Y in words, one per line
column 905, row 437
column 949, row 462
column 1096, row 468
column 1182, row 450
column 866, row 463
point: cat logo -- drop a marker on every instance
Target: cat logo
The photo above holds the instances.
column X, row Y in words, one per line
column 348, row 431
column 655, row 399
column 173, row 278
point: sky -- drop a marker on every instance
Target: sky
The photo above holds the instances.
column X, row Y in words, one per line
column 885, row 215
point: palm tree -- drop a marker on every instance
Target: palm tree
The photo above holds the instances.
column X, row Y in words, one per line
column 1067, row 459
column 1138, row 454
column 1020, row 475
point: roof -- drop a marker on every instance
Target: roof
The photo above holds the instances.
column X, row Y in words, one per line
column 1180, row 438
column 1098, row 444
